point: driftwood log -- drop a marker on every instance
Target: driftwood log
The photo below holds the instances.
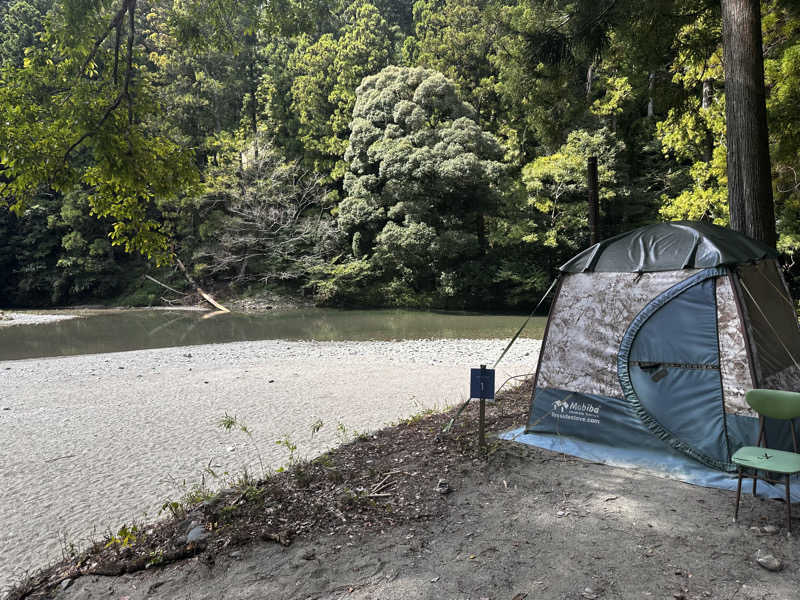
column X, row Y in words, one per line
column 205, row 295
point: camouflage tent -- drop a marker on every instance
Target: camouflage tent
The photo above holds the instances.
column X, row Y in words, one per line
column 655, row 335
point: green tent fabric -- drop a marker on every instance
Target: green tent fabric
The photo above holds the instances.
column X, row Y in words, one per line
column 668, row 247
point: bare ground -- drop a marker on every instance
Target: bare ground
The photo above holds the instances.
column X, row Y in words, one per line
column 366, row 521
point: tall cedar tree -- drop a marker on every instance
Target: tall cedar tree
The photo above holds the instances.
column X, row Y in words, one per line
column 749, row 180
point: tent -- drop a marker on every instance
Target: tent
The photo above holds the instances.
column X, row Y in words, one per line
column 655, row 335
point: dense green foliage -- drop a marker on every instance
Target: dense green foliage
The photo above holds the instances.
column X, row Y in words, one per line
column 375, row 153
column 422, row 177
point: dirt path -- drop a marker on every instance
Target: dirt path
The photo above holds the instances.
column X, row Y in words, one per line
column 501, row 541
column 538, row 525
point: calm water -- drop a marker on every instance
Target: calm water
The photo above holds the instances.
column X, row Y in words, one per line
column 141, row 329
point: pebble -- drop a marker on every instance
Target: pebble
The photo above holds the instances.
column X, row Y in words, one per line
column 443, row 487
column 770, row 529
column 191, row 525
column 768, row 561
column 309, row 554
column 197, row 534
column 65, row 584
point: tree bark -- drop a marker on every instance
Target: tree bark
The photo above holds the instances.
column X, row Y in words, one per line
column 593, row 199
column 708, row 96
column 589, row 80
column 251, row 67
column 749, row 178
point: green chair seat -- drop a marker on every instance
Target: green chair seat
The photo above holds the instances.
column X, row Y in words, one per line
column 766, row 459
column 773, row 404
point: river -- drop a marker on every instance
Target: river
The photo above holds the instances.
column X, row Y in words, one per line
column 97, row 332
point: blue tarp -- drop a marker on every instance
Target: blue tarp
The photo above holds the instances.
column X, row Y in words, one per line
column 661, row 462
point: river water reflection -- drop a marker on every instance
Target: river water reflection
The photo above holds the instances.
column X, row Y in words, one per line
column 116, row 331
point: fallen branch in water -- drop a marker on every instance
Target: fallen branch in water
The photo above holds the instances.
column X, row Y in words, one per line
column 200, row 290
column 164, row 285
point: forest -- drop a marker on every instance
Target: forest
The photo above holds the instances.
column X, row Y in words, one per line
column 427, row 154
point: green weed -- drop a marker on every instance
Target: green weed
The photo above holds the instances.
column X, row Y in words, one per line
column 124, row 538
column 231, row 423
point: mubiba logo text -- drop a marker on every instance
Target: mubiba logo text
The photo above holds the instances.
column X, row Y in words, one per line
column 576, row 411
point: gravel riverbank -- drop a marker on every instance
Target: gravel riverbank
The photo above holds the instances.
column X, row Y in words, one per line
column 7, row 319
column 94, row 441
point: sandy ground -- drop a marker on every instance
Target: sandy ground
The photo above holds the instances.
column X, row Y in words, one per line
column 90, row 442
column 527, row 524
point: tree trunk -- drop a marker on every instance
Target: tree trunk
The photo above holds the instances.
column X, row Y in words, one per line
column 749, row 179
column 593, row 199
column 253, row 84
column 708, row 96
column 589, row 80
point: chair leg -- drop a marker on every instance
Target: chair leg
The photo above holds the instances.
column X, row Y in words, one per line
column 788, row 506
column 755, row 480
column 738, row 494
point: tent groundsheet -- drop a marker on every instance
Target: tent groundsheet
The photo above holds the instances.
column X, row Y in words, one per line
column 662, row 462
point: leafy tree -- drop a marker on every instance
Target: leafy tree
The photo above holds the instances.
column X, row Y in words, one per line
column 268, row 219
column 693, row 133
column 20, row 21
column 782, row 72
column 398, row 13
column 80, row 114
column 556, row 186
column 84, row 110
column 422, row 176
column 326, row 74
column 457, row 37
column 201, row 87
column 57, row 254
column 274, row 95
column 29, row 273
column 463, row 188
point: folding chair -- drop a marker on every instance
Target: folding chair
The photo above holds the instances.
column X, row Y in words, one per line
column 773, row 404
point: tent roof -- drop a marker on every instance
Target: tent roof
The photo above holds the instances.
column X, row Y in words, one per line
column 669, row 247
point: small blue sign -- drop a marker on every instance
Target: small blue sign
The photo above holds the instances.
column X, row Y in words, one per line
column 481, row 383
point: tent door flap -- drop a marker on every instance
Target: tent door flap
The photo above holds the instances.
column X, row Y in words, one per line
column 669, row 369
